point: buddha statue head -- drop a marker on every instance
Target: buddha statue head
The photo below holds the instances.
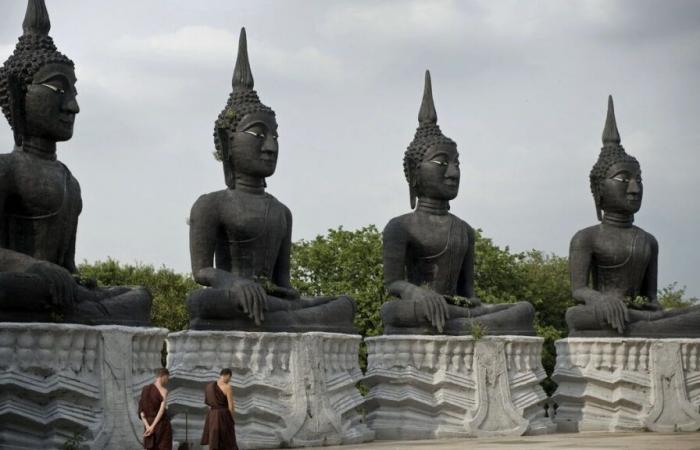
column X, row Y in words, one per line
column 37, row 83
column 431, row 161
column 616, row 177
column 245, row 133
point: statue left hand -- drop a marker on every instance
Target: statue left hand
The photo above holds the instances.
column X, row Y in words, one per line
column 654, row 305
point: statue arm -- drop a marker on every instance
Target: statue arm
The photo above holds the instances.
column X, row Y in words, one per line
column 280, row 275
column 395, row 241
column 10, row 261
column 465, row 284
column 70, row 251
column 649, row 284
column 203, row 234
column 580, row 258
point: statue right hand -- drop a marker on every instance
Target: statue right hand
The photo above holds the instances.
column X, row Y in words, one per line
column 434, row 304
column 61, row 284
column 252, row 298
column 613, row 311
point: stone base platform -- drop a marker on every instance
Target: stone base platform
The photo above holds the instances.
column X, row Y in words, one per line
column 627, row 384
column 61, row 383
column 291, row 389
column 430, row 387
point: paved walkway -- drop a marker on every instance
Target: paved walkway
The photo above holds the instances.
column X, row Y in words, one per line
column 579, row 441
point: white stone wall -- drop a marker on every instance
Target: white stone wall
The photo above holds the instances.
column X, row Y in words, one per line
column 290, row 389
column 630, row 384
column 57, row 380
column 429, row 387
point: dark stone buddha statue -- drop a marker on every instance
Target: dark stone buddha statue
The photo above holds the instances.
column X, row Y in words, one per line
column 429, row 253
column 240, row 237
column 613, row 265
column 39, row 197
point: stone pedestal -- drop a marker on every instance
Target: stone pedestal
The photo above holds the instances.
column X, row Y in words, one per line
column 61, row 381
column 630, row 384
column 429, row 387
column 291, row 389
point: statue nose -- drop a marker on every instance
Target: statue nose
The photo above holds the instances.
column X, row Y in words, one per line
column 270, row 144
column 70, row 104
column 633, row 187
column 452, row 171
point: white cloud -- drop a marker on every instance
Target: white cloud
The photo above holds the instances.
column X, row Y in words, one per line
column 217, row 48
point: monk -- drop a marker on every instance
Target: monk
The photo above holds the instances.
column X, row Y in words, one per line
column 158, row 434
column 219, row 428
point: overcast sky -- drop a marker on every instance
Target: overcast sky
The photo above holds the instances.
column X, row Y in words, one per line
column 520, row 86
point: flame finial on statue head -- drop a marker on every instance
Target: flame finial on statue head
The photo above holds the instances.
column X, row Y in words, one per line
column 611, row 136
column 36, row 19
column 242, row 75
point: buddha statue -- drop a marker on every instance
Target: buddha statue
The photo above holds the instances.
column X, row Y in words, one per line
column 40, row 199
column 429, row 253
column 240, row 237
column 613, row 265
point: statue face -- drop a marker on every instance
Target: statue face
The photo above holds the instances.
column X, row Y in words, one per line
column 254, row 145
column 50, row 103
column 438, row 173
column 621, row 190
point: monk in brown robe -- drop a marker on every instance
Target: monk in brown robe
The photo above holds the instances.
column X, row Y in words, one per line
column 158, row 434
column 219, row 428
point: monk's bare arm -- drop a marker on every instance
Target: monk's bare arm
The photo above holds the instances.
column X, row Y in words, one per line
column 161, row 410
column 229, row 398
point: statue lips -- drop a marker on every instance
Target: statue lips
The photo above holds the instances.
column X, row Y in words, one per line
column 635, row 201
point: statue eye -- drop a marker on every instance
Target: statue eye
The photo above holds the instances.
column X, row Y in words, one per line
column 253, row 133
column 439, row 163
column 56, row 89
column 621, row 178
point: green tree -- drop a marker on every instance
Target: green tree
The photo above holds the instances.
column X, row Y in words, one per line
column 671, row 296
column 344, row 262
column 169, row 289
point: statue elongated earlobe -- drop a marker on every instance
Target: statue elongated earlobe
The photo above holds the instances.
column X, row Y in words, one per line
column 229, row 173
column 598, row 209
column 16, row 97
column 412, row 185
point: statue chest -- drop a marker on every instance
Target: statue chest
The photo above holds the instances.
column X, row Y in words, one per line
column 429, row 241
column 253, row 232
column 621, row 257
column 253, row 220
column 43, row 189
column 436, row 254
column 40, row 215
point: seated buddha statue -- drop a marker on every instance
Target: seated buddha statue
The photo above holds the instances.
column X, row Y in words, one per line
column 40, row 198
column 613, row 265
column 429, row 253
column 240, row 237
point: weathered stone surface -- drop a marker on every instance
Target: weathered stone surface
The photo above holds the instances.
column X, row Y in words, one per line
column 427, row 387
column 291, row 389
column 629, row 384
column 58, row 380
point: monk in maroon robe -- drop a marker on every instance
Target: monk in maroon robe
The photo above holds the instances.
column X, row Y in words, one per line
column 158, row 434
column 219, row 428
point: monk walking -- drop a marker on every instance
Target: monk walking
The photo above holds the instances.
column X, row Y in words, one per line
column 219, row 429
column 158, row 434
